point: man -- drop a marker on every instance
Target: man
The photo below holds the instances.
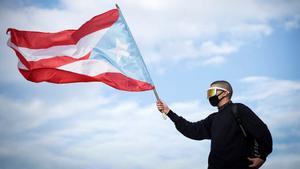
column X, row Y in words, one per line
column 230, row 149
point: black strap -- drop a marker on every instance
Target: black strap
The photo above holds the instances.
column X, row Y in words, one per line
column 238, row 120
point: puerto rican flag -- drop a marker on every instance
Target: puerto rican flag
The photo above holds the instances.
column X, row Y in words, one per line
column 102, row 50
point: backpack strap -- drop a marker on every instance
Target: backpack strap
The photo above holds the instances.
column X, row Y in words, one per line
column 238, row 120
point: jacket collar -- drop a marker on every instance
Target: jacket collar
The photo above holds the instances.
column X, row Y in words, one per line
column 225, row 105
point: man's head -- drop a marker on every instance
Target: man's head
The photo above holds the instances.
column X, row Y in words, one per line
column 219, row 93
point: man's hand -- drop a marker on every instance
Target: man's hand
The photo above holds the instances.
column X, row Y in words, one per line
column 256, row 162
column 162, row 107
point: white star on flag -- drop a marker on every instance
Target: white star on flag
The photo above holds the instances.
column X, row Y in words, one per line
column 121, row 50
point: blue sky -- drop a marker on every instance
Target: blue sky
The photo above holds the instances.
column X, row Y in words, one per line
column 253, row 44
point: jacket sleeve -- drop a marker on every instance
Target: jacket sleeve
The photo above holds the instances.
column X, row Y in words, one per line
column 257, row 129
column 194, row 130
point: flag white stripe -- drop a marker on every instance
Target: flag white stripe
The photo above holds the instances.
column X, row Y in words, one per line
column 85, row 67
column 82, row 48
column 89, row 67
column 21, row 66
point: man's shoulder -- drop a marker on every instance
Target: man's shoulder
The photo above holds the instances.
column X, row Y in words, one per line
column 212, row 115
column 243, row 109
column 241, row 106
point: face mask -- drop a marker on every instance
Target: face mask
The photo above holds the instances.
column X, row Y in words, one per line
column 214, row 100
column 213, row 97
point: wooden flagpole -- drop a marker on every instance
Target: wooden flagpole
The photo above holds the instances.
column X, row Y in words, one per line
column 158, row 99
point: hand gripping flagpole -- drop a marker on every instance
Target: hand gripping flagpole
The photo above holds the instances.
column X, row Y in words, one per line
column 154, row 89
column 158, row 99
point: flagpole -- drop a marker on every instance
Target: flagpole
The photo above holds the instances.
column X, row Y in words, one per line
column 154, row 89
column 158, row 99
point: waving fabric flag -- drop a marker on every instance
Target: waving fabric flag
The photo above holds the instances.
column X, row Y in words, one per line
column 102, row 49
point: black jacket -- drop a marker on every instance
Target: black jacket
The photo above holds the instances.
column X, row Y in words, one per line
column 229, row 148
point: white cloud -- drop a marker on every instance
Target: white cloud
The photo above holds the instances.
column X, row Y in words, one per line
column 206, row 53
column 217, row 60
column 209, row 48
column 88, row 133
column 275, row 101
column 215, row 54
column 288, row 161
column 265, row 87
column 251, row 31
column 24, row 115
column 202, row 21
column 92, row 132
column 166, row 30
column 293, row 23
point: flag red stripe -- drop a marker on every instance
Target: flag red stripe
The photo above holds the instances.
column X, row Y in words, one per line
column 41, row 40
column 115, row 80
column 53, row 62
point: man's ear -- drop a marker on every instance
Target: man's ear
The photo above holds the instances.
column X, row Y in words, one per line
column 225, row 94
column 221, row 95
